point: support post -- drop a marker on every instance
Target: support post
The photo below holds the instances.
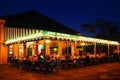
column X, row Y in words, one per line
column 94, row 48
column 67, row 47
column 118, row 51
column 3, row 47
column 108, row 52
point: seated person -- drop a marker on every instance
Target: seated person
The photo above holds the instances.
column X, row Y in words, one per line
column 87, row 58
column 40, row 57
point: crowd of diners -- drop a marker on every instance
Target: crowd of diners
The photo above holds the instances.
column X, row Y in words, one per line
column 66, row 61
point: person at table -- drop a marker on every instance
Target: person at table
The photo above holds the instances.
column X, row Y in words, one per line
column 47, row 62
column 41, row 57
column 63, row 57
column 53, row 62
column 35, row 62
column 26, row 63
column 34, row 58
column 68, row 57
column 87, row 58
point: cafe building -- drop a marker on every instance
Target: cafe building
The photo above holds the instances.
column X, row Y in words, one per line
column 30, row 33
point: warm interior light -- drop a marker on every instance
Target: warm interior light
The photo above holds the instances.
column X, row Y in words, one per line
column 82, row 44
column 47, row 41
column 29, row 44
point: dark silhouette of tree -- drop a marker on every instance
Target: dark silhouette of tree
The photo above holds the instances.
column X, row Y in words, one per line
column 103, row 29
column 88, row 28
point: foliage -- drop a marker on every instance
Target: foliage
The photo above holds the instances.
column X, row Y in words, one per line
column 103, row 29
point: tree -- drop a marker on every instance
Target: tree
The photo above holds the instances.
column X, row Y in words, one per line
column 103, row 29
column 88, row 28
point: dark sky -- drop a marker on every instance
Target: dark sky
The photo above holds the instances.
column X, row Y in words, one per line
column 71, row 13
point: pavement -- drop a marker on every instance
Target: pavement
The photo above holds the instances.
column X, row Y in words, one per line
column 107, row 71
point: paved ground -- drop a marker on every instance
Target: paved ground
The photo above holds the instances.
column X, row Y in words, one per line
column 108, row 71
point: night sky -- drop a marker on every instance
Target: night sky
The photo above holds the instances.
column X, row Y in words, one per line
column 71, row 13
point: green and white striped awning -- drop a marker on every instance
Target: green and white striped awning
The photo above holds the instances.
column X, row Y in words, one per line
column 49, row 34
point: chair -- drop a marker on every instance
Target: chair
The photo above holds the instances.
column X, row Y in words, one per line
column 69, row 64
column 63, row 64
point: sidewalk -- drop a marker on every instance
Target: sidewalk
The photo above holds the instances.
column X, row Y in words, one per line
column 108, row 71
